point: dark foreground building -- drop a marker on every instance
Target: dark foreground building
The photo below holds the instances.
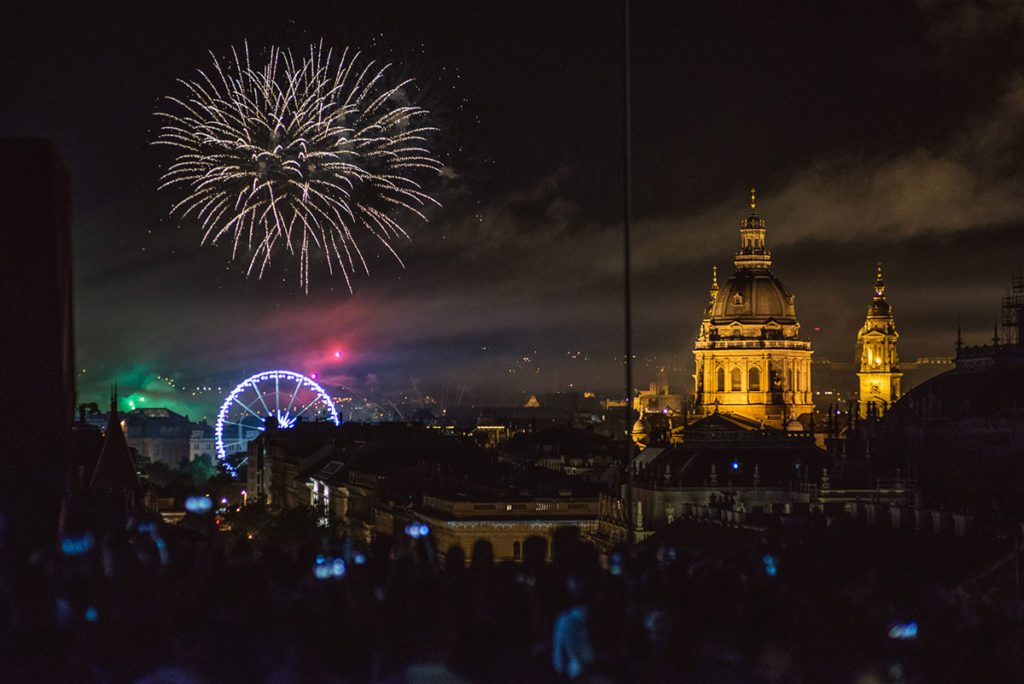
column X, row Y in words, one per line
column 36, row 338
column 963, row 430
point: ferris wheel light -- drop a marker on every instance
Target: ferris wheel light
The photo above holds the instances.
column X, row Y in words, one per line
column 285, row 418
column 337, row 354
column 315, row 376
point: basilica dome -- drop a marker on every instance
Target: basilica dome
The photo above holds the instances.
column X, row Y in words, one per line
column 749, row 358
column 753, row 296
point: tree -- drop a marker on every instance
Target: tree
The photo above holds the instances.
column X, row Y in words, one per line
column 201, row 469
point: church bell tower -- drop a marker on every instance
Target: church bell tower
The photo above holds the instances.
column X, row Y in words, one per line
column 879, row 368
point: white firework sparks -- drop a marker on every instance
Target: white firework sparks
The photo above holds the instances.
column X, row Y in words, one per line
column 298, row 155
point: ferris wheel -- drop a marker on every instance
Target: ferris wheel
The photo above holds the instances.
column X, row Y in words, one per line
column 285, row 396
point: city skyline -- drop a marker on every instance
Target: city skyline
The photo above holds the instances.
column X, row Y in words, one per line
column 892, row 153
column 513, row 342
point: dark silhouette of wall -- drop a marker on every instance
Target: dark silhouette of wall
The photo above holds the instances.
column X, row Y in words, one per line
column 37, row 391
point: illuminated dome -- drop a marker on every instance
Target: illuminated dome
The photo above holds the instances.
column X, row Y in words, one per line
column 753, row 296
column 641, row 432
column 749, row 358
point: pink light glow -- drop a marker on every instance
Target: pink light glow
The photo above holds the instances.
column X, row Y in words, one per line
column 337, row 354
column 315, row 376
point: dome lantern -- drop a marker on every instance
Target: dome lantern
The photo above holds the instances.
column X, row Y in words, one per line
column 753, row 253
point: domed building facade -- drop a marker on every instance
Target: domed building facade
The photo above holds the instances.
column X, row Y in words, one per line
column 750, row 360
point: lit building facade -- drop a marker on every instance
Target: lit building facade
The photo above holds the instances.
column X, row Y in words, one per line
column 202, row 443
column 507, row 522
column 158, row 435
column 749, row 357
column 659, row 398
column 879, row 371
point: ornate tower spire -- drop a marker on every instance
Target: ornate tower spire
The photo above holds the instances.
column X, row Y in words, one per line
column 712, row 295
column 879, row 372
column 753, row 254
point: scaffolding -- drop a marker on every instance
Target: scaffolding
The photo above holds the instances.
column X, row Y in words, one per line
column 1013, row 306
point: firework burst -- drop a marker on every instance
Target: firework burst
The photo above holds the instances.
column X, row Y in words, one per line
column 298, row 156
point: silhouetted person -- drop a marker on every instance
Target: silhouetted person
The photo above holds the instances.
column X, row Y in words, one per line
column 572, row 652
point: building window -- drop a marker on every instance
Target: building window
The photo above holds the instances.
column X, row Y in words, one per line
column 517, row 550
column 789, row 379
column 754, row 379
column 736, row 380
column 721, row 380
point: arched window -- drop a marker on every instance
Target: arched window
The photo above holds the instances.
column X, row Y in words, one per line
column 720, row 380
column 736, row 380
column 517, row 550
column 754, row 379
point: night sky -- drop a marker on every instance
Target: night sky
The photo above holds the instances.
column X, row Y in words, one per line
column 874, row 131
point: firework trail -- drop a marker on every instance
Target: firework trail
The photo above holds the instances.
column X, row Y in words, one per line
column 299, row 155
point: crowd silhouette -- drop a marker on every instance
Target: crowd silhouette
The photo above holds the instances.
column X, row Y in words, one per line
column 156, row 603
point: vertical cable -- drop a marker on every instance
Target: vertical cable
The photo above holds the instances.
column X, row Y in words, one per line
column 627, row 279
